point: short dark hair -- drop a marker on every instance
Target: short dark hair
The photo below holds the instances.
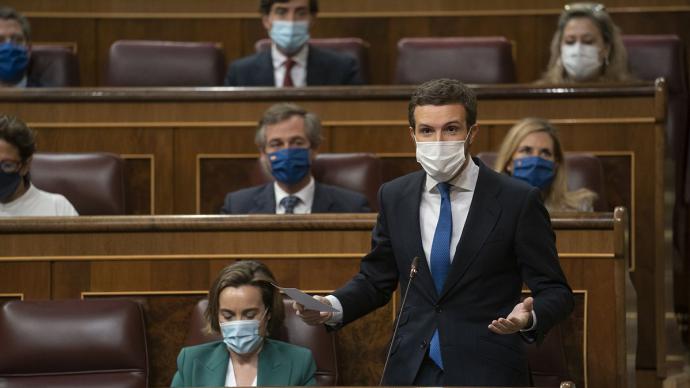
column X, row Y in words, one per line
column 9, row 13
column 283, row 111
column 18, row 134
column 266, row 5
column 444, row 91
column 246, row 273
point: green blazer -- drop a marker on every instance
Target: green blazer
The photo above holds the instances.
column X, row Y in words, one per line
column 280, row 364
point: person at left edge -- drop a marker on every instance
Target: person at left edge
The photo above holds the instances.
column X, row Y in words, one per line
column 246, row 309
column 292, row 61
column 15, row 49
column 288, row 139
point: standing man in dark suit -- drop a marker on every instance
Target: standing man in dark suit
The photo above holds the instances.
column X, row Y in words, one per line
column 291, row 61
column 479, row 235
column 288, row 138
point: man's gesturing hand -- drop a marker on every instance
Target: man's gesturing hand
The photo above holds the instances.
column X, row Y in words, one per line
column 518, row 319
column 313, row 317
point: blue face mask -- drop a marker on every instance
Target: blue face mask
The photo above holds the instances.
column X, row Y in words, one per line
column 242, row 337
column 14, row 59
column 534, row 170
column 289, row 36
column 290, row 165
column 9, row 182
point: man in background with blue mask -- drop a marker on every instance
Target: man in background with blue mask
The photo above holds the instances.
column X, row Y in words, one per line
column 291, row 61
column 14, row 49
column 288, row 139
column 478, row 236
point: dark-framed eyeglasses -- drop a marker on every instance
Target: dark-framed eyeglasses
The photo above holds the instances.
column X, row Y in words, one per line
column 10, row 166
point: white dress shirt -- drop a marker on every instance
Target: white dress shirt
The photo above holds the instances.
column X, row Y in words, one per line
column 461, row 194
column 306, row 196
column 299, row 69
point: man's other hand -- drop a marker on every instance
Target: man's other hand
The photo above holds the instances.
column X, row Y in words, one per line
column 518, row 319
column 313, row 317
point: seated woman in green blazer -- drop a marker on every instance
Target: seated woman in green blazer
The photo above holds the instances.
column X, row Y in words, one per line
column 245, row 308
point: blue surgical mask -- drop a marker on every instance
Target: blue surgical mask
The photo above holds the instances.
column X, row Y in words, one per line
column 290, row 165
column 289, row 36
column 242, row 337
column 14, row 59
column 534, row 170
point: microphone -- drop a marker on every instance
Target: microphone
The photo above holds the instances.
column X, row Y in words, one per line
column 413, row 273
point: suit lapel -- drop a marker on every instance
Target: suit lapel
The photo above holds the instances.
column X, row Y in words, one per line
column 264, row 72
column 482, row 217
column 271, row 371
column 314, row 67
column 412, row 197
column 322, row 200
column 212, row 373
column 265, row 200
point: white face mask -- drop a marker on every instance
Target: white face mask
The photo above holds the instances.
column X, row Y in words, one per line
column 442, row 160
column 581, row 61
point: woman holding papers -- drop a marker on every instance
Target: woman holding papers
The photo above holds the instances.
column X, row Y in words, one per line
column 245, row 308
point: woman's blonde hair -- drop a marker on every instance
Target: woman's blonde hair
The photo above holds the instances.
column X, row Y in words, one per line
column 556, row 197
column 615, row 67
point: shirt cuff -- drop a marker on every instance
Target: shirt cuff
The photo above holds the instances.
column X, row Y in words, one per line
column 337, row 317
column 534, row 322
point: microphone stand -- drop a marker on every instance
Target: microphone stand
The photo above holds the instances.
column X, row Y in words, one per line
column 413, row 272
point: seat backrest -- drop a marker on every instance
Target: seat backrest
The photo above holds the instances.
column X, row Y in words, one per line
column 294, row 330
column 475, row 60
column 93, row 182
column 164, row 63
column 584, row 171
column 654, row 56
column 354, row 47
column 360, row 172
column 75, row 343
column 53, row 66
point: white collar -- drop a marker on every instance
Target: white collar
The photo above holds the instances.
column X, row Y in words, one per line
column 279, row 58
column 465, row 181
column 306, row 195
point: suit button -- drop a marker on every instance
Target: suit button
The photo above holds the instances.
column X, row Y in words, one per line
column 438, row 309
column 422, row 345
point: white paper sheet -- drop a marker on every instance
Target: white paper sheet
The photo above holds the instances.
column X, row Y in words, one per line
column 306, row 300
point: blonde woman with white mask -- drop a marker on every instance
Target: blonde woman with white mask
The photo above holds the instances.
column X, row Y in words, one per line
column 586, row 47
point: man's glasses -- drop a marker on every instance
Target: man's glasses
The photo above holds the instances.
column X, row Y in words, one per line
column 9, row 166
column 584, row 7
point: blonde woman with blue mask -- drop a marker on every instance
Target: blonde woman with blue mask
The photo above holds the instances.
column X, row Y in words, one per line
column 532, row 152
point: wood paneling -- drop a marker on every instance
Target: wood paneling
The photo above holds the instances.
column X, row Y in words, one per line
column 235, row 24
column 163, row 261
column 177, row 125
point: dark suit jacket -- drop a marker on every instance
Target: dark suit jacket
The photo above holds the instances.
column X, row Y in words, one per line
column 280, row 364
column 324, row 67
column 327, row 199
column 507, row 240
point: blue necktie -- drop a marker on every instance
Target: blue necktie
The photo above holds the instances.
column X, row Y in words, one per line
column 289, row 203
column 440, row 258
